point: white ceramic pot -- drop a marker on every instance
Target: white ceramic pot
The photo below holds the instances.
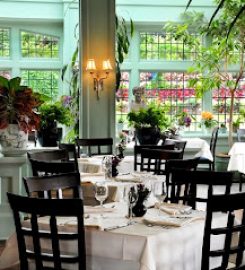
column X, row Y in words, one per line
column 13, row 141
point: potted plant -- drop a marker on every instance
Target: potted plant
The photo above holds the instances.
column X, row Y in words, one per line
column 18, row 115
column 148, row 122
column 51, row 114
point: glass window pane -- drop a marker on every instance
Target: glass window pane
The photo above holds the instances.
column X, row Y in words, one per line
column 39, row 45
column 171, row 88
column 4, row 42
column 164, row 46
column 42, row 81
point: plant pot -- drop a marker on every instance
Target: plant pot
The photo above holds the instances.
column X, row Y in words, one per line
column 49, row 136
column 149, row 135
column 13, row 141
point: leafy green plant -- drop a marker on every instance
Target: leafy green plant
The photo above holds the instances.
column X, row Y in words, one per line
column 152, row 116
column 214, row 58
column 55, row 112
column 18, row 105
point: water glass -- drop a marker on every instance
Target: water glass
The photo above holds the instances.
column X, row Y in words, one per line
column 101, row 192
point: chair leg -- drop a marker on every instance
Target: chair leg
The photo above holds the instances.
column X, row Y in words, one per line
column 240, row 181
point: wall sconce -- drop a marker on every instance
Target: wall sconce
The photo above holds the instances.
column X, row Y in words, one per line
column 98, row 80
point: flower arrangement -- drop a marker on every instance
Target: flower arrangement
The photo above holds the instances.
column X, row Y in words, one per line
column 208, row 119
column 115, row 160
column 184, row 119
column 18, row 105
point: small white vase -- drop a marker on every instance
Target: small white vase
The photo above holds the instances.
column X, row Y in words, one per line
column 13, row 141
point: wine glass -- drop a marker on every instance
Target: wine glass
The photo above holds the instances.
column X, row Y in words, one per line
column 101, row 192
column 132, row 199
column 159, row 192
column 107, row 166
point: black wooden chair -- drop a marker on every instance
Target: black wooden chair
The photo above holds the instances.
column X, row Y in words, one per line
column 137, row 150
column 179, row 164
column 72, row 151
column 226, row 204
column 40, row 168
column 213, row 142
column 151, row 160
column 49, row 155
column 54, row 186
column 183, row 185
column 178, row 144
column 98, row 146
column 29, row 233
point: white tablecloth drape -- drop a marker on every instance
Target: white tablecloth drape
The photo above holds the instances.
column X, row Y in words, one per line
column 135, row 247
column 237, row 157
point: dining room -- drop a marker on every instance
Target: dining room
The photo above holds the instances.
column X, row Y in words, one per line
column 136, row 109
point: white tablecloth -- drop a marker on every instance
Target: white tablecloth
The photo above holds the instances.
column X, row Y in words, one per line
column 136, row 247
column 200, row 146
column 237, row 157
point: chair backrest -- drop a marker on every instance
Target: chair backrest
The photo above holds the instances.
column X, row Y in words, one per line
column 29, row 233
column 226, row 204
column 241, row 135
column 213, row 141
column 99, row 146
column 54, row 186
column 179, row 164
column 137, row 150
column 72, row 150
column 57, row 154
column 183, row 185
column 178, row 144
column 152, row 159
column 40, row 168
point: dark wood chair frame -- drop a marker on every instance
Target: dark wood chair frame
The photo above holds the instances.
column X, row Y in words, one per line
column 95, row 143
column 213, row 143
column 72, row 151
column 54, row 186
column 179, row 164
column 57, row 154
column 152, row 159
column 40, row 168
column 51, row 208
column 226, row 204
column 137, row 151
column 183, row 185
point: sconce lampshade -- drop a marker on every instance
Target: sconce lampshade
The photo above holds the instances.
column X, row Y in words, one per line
column 91, row 65
column 106, row 65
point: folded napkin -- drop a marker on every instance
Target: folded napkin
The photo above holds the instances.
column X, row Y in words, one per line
column 174, row 221
column 173, row 208
column 98, row 209
column 128, row 178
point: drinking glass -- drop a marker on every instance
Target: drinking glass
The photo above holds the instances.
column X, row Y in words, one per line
column 107, row 166
column 159, row 192
column 101, row 192
column 132, row 199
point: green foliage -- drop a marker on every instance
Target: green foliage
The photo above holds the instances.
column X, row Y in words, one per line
column 152, row 116
column 55, row 112
column 221, row 51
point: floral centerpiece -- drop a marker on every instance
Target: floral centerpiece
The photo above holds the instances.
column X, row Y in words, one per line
column 114, row 163
column 18, row 115
column 208, row 120
column 184, row 119
column 139, row 208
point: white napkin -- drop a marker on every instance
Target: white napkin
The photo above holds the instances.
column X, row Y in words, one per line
column 173, row 208
column 175, row 221
column 127, row 178
column 98, row 209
